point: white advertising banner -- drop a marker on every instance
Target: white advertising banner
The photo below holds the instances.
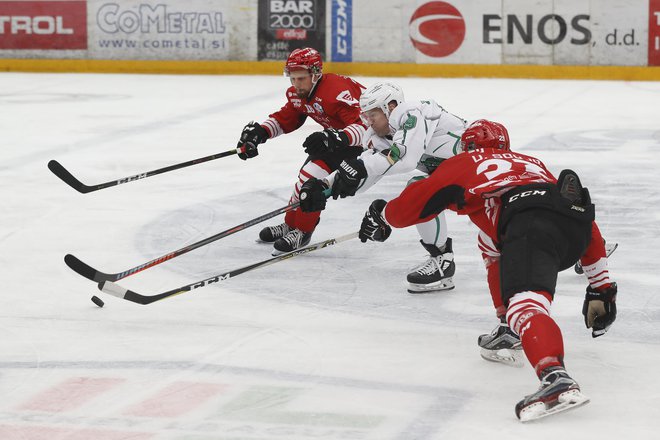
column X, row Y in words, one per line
column 541, row 32
column 162, row 29
column 566, row 32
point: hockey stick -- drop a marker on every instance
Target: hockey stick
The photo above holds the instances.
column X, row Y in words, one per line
column 90, row 273
column 116, row 290
column 76, row 184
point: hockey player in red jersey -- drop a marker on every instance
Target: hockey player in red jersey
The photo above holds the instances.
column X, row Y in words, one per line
column 534, row 226
column 332, row 101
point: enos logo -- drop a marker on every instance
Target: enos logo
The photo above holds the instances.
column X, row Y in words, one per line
column 437, row 29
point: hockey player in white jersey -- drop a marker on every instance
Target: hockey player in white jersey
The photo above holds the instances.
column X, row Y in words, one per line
column 402, row 136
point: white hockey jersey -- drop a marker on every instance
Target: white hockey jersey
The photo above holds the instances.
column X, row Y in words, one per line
column 423, row 135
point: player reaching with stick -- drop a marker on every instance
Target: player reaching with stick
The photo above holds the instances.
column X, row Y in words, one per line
column 332, row 101
column 402, row 136
column 538, row 226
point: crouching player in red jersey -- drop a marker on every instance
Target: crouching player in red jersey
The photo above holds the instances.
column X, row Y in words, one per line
column 536, row 226
column 332, row 101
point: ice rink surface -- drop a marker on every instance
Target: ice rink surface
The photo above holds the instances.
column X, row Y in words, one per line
column 324, row 346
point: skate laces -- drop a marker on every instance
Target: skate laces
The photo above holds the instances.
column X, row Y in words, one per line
column 433, row 264
column 280, row 230
column 294, row 237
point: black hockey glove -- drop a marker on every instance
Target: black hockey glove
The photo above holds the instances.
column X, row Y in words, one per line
column 312, row 198
column 374, row 227
column 253, row 134
column 349, row 175
column 326, row 141
column 599, row 309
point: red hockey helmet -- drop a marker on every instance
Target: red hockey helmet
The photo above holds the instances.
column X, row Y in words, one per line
column 483, row 133
column 304, row 59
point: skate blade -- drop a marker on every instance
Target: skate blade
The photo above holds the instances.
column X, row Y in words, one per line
column 438, row 286
column 566, row 401
column 510, row 357
column 260, row 241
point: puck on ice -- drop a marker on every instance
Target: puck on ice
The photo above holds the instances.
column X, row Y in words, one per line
column 98, row 301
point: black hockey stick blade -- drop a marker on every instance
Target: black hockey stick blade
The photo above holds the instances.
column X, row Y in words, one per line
column 86, row 270
column 76, row 184
column 68, row 178
column 115, row 289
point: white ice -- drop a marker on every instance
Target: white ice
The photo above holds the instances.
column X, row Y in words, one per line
column 324, row 346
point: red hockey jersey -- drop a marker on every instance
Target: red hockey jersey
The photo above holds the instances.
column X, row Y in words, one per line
column 481, row 177
column 334, row 103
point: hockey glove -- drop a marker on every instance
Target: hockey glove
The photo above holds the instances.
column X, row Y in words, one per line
column 253, row 134
column 349, row 175
column 374, row 227
column 599, row 309
column 312, row 198
column 326, row 141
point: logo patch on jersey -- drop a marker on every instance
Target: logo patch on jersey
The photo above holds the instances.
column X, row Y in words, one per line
column 394, row 155
column 410, row 123
column 346, row 97
column 318, row 108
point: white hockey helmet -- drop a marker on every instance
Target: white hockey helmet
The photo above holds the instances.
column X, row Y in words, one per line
column 379, row 96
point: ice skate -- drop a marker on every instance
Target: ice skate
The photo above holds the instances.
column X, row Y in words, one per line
column 558, row 393
column 295, row 239
column 502, row 345
column 436, row 273
column 270, row 234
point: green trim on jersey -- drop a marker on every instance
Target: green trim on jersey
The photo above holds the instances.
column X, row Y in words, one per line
column 456, row 144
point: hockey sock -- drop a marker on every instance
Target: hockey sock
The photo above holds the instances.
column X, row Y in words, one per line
column 542, row 342
column 306, row 221
column 290, row 217
column 528, row 315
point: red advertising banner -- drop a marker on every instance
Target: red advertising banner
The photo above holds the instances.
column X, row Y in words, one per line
column 654, row 32
column 43, row 24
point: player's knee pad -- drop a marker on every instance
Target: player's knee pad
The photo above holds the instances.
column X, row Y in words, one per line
column 523, row 306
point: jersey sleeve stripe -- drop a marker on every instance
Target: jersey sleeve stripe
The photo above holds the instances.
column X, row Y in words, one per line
column 274, row 128
column 354, row 133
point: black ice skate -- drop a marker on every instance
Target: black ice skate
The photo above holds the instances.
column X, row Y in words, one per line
column 290, row 242
column 558, row 393
column 436, row 273
column 270, row 234
column 502, row 345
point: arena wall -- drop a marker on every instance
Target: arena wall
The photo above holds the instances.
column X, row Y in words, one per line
column 601, row 39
